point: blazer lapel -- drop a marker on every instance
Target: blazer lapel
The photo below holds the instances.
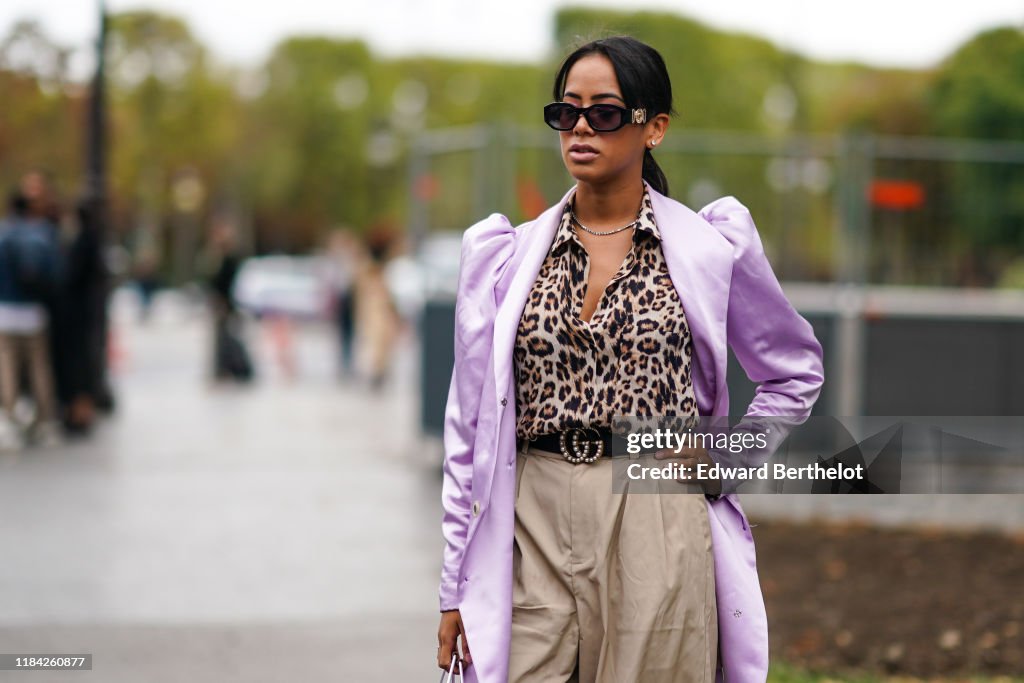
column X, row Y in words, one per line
column 700, row 264
column 522, row 270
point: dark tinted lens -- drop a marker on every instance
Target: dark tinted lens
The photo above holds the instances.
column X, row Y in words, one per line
column 605, row 117
column 560, row 116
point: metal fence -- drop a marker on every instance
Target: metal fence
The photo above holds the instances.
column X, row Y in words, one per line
column 858, row 208
column 871, row 237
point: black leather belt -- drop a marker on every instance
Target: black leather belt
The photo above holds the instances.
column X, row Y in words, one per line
column 585, row 444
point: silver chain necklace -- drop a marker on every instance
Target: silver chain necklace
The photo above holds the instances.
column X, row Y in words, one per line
column 572, row 214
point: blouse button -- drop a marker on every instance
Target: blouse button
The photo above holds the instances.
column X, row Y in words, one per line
column 504, row 402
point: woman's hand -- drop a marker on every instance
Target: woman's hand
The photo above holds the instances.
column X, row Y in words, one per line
column 690, row 458
column 450, row 629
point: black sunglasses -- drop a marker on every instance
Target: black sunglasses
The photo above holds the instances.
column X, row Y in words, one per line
column 603, row 118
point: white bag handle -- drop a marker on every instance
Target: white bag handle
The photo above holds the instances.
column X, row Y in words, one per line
column 448, row 677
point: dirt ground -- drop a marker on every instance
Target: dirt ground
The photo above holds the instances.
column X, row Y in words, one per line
column 908, row 602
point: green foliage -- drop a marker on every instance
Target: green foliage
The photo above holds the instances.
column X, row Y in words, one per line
column 303, row 160
column 783, row 673
column 37, row 97
column 857, row 97
column 719, row 80
column 979, row 93
column 319, row 135
column 171, row 112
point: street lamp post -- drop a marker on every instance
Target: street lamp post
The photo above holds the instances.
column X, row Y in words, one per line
column 95, row 220
column 95, row 154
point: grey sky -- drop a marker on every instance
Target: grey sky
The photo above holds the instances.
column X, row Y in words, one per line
column 887, row 32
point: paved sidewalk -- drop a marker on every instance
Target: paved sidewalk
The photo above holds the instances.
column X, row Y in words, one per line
column 287, row 531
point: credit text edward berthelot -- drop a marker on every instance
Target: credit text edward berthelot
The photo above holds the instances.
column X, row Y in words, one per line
column 665, row 439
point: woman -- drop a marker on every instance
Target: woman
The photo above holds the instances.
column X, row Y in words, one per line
column 615, row 301
column 377, row 320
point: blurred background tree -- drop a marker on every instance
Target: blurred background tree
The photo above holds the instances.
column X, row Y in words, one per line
column 174, row 131
column 40, row 120
column 319, row 135
column 302, row 163
column 979, row 93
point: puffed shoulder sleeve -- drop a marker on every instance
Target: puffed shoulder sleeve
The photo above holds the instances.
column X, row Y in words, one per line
column 775, row 345
column 486, row 250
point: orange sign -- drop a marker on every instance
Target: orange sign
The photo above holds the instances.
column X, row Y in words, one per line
column 897, row 194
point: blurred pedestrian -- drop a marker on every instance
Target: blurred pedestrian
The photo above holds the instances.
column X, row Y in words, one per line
column 341, row 263
column 231, row 359
column 42, row 204
column 29, row 265
column 146, row 273
column 79, row 327
column 376, row 316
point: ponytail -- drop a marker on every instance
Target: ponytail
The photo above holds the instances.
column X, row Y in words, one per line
column 653, row 174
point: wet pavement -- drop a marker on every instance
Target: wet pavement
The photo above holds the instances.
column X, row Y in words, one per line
column 287, row 530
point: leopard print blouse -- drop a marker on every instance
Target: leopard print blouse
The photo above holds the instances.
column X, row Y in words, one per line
column 632, row 358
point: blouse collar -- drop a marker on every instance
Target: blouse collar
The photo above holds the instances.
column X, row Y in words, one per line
column 566, row 233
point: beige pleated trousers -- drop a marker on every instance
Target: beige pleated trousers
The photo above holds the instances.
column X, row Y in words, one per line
column 608, row 587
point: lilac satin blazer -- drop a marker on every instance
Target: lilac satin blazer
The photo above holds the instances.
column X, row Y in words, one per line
column 731, row 297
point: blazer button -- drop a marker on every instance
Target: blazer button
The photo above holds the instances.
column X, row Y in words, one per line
column 504, row 402
column 476, row 508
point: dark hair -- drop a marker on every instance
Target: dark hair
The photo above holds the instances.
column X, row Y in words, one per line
column 644, row 81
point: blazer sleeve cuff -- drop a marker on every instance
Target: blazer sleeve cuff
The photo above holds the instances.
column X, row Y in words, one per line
column 449, row 596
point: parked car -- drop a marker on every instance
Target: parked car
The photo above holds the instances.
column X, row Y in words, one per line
column 282, row 285
column 432, row 273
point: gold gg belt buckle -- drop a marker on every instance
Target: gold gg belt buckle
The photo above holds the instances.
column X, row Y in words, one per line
column 577, row 448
